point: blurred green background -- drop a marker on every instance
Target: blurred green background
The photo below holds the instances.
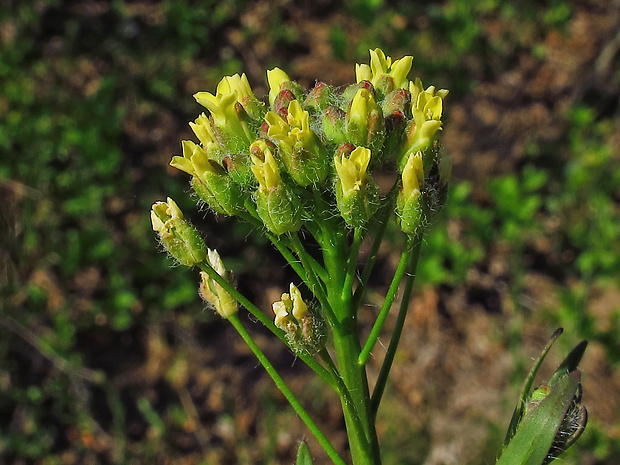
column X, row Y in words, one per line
column 106, row 353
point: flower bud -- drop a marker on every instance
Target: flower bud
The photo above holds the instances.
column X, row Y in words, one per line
column 396, row 107
column 282, row 101
column 304, row 327
column 334, row 124
column 350, row 92
column 178, row 236
column 213, row 293
column 356, row 192
column 319, row 97
column 277, row 205
column 365, row 123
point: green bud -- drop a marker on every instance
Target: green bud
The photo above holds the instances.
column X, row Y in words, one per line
column 334, row 124
column 436, row 182
column 282, row 102
column 357, row 195
column 350, row 92
column 319, row 97
column 304, row 327
column 396, row 107
column 213, row 293
column 238, row 167
column 178, row 236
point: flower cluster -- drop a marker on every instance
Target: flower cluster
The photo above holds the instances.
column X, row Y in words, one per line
column 268, row 162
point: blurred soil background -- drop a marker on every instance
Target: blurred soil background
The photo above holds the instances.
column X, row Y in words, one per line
column 106, row 352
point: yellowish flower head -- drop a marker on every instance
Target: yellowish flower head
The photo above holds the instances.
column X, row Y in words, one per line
column 352, row 170
column 266, row 171
column 238, row 85
column 290, row 309
column 381, row 65
column 212, row 292
column 413, row 175
column 296, row 127
column 204, row 131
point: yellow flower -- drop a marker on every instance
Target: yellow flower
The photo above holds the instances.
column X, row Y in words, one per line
column 266, row 171
column 352, row 170
column 301, row 151
column 212, row 292
column 275, row 77
column 381, row 66
column 413, row 176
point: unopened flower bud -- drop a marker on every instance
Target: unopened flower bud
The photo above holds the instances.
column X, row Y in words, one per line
column 178, row 236
column 319, row 97
column 334, row 124
column 282, row 101
column 277, row 205
column 304, row 327
column 396, row 107
column 350, row 92
column 436, row 181
column 213, row 293
column 356, row 192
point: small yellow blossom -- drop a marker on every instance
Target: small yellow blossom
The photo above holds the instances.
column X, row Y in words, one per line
column 380, row 66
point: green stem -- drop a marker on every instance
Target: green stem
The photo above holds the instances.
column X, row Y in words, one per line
column 387, row 303
column 398, row 329
column 362, row 438
column 347, row 289
column 320, row 370
column 312, row 279
column 303, row 414
column 381, row 219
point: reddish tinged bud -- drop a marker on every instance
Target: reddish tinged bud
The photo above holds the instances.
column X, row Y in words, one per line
column 334, row 124
column 282, row 101
column 351, row 90
column 319, row 97
column 345, row 150
column 395, row 108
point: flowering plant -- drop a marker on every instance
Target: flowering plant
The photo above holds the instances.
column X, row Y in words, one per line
column 300, row 169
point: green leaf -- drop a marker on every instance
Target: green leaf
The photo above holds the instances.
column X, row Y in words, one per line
column 303, row 455
column 535, row 435
column 527, row 386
